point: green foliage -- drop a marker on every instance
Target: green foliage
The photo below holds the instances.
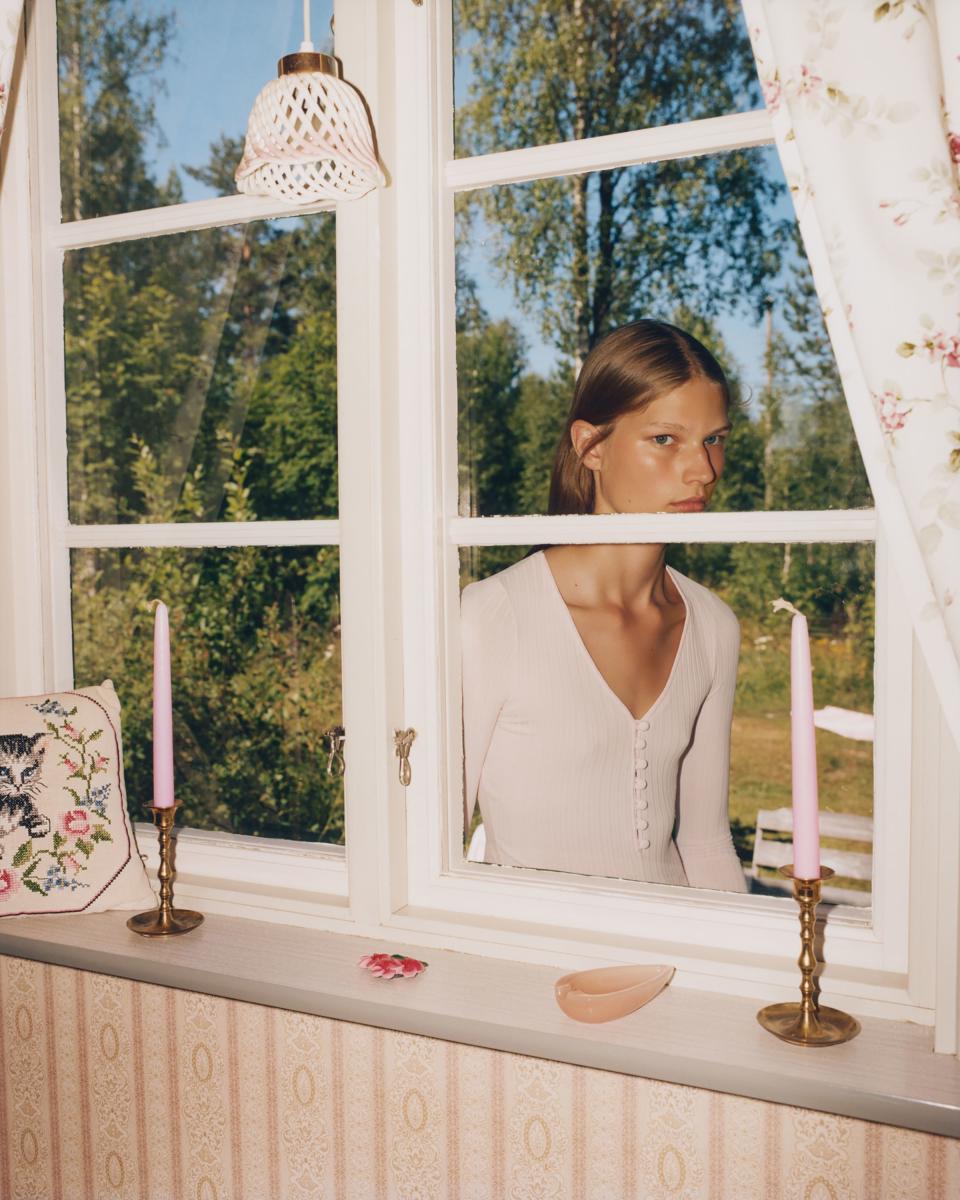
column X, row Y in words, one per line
column 588, row 252
column 24, row 852
column 201, row 385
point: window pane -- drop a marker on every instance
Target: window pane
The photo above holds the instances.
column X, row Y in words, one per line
column 154, row 96
column 201, row 375
column 708, row 244
column 832, row 584
column 255, row 648
column 532, row 74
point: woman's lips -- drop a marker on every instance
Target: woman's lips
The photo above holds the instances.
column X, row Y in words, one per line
column 689, row 505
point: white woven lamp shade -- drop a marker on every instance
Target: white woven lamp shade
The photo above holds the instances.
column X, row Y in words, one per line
column 309, row 136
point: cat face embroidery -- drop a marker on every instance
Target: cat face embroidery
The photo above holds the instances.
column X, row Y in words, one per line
column 21, row 758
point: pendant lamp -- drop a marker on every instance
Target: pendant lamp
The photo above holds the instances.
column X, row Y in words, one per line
column 309, row 136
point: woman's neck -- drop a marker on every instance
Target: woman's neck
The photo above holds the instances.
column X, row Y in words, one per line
column 626, row 577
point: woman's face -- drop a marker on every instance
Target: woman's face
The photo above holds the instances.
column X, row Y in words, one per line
column 666, row 458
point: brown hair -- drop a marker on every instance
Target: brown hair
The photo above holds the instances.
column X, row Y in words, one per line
column 624, row 372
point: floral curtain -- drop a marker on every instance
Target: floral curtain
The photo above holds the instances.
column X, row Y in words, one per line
column 865, row 101
column 10, row 11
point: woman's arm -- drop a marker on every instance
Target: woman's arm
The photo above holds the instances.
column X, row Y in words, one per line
column 488, row 640
column 703, row 831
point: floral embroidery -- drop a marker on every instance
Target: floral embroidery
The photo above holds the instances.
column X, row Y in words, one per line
column 75, row 823
column 46, row 707
column 78, row 830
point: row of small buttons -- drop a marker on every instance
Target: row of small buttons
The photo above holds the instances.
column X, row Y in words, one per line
column 639, row 801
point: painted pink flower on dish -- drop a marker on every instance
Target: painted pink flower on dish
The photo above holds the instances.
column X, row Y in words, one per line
column 9, row 883
column 75, row 823
column 392, row 966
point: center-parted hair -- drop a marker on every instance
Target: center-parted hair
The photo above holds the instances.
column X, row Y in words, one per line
column 624, row 372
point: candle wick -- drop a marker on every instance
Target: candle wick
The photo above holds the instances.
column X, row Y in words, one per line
column 780, row 604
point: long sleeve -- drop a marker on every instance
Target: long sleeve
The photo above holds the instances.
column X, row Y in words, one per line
column 703, row 831
column 488, row 638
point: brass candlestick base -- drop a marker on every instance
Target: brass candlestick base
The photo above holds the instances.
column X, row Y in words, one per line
column 165, row 919
column 805, row 1022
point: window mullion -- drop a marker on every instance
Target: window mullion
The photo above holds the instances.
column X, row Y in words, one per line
column 712, row 135
column 204, row 533
column 839, row 525
column 367, row 383
column 172, row 219
column 50, row 393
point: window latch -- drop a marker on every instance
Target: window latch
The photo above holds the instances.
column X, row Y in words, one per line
column 402, row 741
column 335, row 761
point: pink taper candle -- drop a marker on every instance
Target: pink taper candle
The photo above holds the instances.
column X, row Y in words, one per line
column 806, row 816
column 162, row 711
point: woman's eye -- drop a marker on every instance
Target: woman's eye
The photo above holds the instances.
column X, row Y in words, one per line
column 662, row 438
column 716, row 439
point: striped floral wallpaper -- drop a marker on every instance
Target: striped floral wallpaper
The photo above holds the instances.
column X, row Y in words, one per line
column 118, row 1089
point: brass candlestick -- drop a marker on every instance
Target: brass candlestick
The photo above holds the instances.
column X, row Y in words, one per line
column 806, row 1023
column 165, row 919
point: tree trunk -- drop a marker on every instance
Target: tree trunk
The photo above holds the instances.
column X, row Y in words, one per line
column 581, row 248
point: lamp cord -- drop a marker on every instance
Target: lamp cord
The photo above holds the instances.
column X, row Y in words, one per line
column 306, row 44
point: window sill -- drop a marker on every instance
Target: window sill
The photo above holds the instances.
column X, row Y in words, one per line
column 888, row 1074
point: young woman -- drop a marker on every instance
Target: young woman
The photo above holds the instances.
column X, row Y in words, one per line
column 597, row 681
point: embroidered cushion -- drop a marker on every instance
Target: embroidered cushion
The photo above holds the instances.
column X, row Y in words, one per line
column 66, row 844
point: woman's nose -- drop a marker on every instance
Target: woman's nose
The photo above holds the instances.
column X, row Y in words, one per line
column 699, row 467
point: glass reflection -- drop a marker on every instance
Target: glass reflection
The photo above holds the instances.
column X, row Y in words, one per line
column 600, row 681
column 201, row 375
column 154, row 96
column 256, row 679
column 530, row 74
column 545, row 269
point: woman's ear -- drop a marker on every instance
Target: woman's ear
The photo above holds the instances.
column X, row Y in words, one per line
column 587, row 443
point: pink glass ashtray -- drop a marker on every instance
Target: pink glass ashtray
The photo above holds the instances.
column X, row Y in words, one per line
column 606, row 993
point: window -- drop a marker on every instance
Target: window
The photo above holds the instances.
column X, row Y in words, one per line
column 290, row 423
column 517, row 309
column 190, row 424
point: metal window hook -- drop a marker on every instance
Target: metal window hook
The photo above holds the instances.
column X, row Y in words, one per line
column 402, row 741
column 336, row 764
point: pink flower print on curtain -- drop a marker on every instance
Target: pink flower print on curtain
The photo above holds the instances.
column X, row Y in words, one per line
column 10, row 12
column 865, row 105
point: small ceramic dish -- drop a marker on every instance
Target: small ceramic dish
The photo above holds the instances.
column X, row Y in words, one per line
column 606, row 993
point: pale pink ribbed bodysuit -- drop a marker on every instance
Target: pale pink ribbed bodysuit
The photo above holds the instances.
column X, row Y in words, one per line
column 566, row 777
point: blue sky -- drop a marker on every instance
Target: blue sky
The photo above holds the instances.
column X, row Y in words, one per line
column 224, row 53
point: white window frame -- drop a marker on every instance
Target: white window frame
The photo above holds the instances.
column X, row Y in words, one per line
column 723, row 942
column 399, row 533
column 233, row 872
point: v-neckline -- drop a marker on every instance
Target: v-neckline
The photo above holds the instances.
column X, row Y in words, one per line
column 590, row 659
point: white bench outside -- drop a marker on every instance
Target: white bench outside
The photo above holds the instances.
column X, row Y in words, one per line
column 850, row 864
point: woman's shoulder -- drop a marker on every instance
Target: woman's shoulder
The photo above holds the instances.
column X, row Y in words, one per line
column 708, row 605
column 504, row 587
